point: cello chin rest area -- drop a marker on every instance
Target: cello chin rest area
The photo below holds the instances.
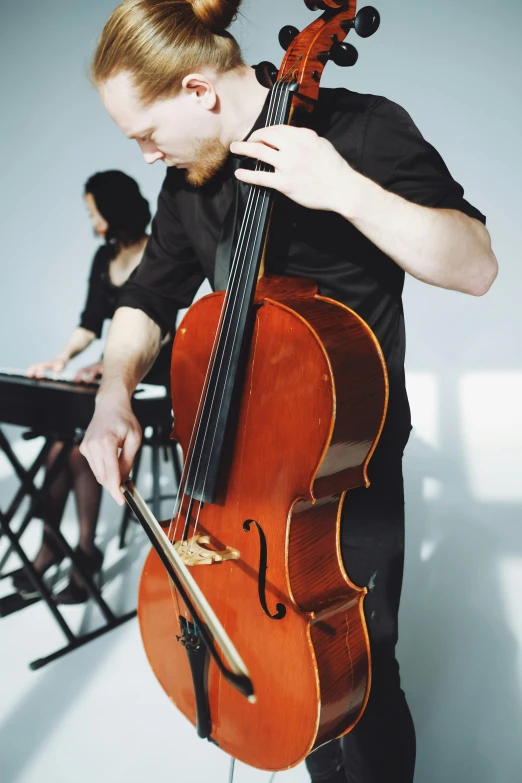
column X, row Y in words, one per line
column 196, row 551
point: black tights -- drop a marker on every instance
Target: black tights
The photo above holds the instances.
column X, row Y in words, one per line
column 78, row 476
column 381, row 747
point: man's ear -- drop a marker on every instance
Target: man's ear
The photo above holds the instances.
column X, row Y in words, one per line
column 201, row 88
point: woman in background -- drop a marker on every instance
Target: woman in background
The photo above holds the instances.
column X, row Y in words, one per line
column 120, row 215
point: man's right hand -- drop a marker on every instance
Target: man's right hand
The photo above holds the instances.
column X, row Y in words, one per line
column 112, row 428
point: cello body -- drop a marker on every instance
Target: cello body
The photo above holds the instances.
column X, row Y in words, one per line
column 312, row 405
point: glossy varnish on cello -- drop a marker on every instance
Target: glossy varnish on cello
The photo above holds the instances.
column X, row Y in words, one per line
column 307, row 405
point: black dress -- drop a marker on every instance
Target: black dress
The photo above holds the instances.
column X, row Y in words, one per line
column 101, row 303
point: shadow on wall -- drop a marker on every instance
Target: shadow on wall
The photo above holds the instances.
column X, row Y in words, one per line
column 460, row 659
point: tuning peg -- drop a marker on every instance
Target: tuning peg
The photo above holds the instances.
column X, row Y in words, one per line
column 266, row 73
column 343, row 54
column 316, row 5
column 287, row 35
column 367, row 21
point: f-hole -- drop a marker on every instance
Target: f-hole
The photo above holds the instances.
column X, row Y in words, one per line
column 261, row 584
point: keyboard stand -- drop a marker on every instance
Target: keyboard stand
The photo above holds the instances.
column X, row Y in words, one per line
column 15, row 602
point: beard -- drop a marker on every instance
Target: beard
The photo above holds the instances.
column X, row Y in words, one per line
column 210, row 155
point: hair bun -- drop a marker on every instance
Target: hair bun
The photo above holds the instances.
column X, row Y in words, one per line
column 216, row 15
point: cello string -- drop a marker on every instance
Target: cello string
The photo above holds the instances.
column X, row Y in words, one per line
column 260, row 195
column 209, row 367
column 227, row 304
column 178, row 505
column 287, row 77
column 231, row 299
column 265, row 195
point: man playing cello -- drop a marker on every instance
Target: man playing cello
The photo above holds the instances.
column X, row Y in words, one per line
column 367, row 199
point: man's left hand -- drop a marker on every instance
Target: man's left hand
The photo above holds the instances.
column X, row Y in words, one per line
column 307, row 168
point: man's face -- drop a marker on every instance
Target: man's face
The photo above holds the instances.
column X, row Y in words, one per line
column 181, row 131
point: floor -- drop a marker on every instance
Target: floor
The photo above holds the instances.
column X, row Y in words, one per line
column 98, row 713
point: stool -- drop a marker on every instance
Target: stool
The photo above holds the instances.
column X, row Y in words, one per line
column 156, row 438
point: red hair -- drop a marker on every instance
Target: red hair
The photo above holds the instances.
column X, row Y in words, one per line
column 160, row 41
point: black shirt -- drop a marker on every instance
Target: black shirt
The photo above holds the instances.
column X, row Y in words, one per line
column 101, row 303
column 377, row 138
column 102, row 294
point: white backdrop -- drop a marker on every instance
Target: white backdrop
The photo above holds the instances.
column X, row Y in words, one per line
column 456, row 69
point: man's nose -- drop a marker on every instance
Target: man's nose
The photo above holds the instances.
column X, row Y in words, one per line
column 152, row 157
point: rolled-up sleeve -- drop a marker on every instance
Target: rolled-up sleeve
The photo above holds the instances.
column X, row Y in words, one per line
column 396, row 155
column 169, row 273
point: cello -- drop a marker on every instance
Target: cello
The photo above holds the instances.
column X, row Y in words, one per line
column 248, row 618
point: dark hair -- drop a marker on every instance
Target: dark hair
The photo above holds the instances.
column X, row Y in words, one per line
column 119, row 200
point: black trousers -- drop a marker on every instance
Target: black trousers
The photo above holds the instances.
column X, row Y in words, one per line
column 381, row 747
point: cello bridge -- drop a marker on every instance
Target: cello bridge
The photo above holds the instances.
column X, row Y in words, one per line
column 197, row 551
